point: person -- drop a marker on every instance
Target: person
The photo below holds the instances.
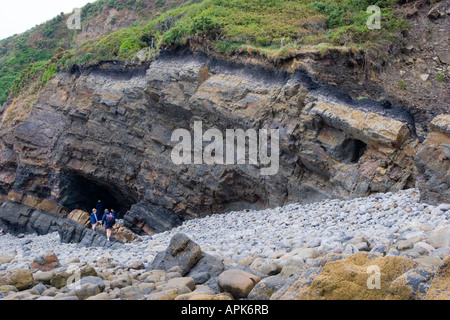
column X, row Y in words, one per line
column 99, row 208
column 114, row 213
column 94, row 218
column 108, row 220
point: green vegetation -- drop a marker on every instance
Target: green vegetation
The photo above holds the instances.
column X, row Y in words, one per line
column 402, row 85
column 440, row 76
column 273, row 28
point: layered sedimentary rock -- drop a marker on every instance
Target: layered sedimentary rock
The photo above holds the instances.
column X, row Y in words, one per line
column 433, row 161
column 104, row 132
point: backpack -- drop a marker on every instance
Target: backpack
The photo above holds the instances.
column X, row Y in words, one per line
column 110, row 217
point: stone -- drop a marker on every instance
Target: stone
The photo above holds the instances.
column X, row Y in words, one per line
column 86, row 290
column 380, row 248
column 47, row 262
column 347, row 279
column 100, row 296
column 425, row 246
column 270, row 268
column 7, row 289
column 43, row 276
column 136, row 265
column 264, row 289
column 206, row 268
column 121, row 282
column 440, row 238
column 182, row 252
column 131, row 293
column 90, row 280
column 177, row 282
column 424, row 76
column 211, row 297
column 40, row 288
column 156, row 276
column 350, row 249
column 20, row 278
column 412, row 285
column 444, row 207
column 305, row 253
column 237, row 282
column 440, row 285
column 169, row 294
column 4, row 258
column 146, row 287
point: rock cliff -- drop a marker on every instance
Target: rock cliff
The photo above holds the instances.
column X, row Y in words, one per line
column 104, row 132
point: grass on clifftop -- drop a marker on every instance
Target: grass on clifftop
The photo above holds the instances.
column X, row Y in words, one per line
column 263, row 25
column 272, row 28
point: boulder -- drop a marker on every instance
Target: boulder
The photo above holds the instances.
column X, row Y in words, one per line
column 206, row 268
column 412, row 285
column 440, row 285
column 352, row 278
column 440, row 238
column 237, row 282
column 266, row 288
column 46, row 262
column 121, row 282
column 131, row 293
column 20, row 278
column 182, row 252
column 169, row 294
column 86, row 290
column 100, row 296
column 4, row 258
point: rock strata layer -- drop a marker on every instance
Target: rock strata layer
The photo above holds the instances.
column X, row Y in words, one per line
column 104, row 131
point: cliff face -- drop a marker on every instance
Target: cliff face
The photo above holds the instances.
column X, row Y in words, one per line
column 104, row 131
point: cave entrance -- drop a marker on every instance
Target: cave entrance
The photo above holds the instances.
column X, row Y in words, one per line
column 351, row 150
column 80, row 192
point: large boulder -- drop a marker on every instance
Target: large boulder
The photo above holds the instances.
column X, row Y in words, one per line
column 237, row 282
column 20, row 278
column 45, row 262
column 412, row 285
column 440, row 285
column 362, row 276
column 182, row 252
column 440, row 237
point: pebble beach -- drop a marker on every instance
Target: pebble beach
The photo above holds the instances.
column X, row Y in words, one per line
column 265, row 242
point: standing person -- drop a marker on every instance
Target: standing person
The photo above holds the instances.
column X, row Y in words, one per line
column 108, row 220
column 114, row 213
column 99, row 208
column 94, row 218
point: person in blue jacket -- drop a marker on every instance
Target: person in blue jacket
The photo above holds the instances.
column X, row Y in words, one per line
column 109, row 220
column 114, row 213
column 94, row 218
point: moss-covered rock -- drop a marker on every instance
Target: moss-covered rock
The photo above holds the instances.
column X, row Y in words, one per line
column 352, row 278
column 440, row 286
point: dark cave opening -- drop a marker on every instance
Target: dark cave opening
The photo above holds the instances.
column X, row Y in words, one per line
column 351, row 151
column 80, row 192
